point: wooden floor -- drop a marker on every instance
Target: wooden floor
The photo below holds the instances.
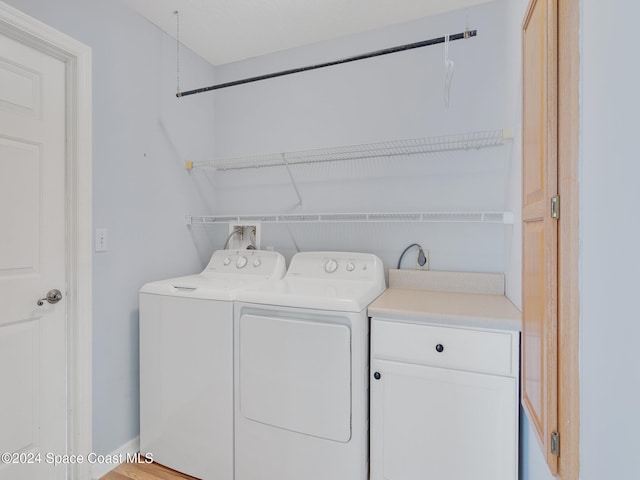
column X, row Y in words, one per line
column 144, row 471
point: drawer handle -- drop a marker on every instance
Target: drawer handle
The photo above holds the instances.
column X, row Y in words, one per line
column 377, row 375
column 439, row 348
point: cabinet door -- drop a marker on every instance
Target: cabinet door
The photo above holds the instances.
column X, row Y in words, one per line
column 539, row 229
column 434, row 423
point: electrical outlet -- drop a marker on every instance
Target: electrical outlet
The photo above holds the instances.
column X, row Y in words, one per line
column 249, row 236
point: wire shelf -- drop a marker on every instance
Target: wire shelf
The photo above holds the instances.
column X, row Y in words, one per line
column 438, row 217
column 464, row 141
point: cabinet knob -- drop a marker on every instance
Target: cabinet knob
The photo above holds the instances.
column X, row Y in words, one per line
column 439, row 348
column 377, row 375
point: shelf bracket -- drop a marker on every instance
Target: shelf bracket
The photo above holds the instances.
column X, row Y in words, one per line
column 293, row 181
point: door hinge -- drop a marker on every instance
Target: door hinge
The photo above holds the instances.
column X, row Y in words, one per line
column 555, row 444
column 555, row 206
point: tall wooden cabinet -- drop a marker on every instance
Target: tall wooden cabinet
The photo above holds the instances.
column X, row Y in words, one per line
column 550, row 296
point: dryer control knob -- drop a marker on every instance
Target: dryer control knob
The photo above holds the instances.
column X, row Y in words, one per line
column 227, row 261
column 350, row 267
column 257, row 262
column 331, row 266
column 241, row 262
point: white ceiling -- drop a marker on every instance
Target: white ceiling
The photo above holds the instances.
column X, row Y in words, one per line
column 224, row 31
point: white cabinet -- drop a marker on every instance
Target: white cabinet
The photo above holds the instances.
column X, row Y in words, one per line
column 444, row 402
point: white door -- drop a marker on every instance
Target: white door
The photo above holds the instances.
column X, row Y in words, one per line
column 32, row 261
column 435, row 423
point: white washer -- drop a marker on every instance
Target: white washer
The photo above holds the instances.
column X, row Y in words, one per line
column 186, row 362
column 301, row 370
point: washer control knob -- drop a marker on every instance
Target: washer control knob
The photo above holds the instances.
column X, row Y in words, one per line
column 331, row 266
column 227, row 261
column 257, row 262
column 241, row 262
column 350, row 267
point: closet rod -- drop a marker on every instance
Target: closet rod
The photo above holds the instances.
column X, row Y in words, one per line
column 377, row 53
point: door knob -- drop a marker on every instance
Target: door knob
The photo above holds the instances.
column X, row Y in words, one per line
column 53, row 296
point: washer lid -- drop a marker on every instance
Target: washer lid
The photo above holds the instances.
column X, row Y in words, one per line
column 199, row 286
column 228, row 272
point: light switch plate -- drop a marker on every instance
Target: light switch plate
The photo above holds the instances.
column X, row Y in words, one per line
column 101, row 239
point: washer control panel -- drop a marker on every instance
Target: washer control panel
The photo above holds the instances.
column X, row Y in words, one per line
column 247, row 262
column 336, row 265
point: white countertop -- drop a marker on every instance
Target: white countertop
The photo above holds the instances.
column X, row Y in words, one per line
column 454, row 308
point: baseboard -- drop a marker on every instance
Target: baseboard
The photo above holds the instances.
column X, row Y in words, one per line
column 113, row 459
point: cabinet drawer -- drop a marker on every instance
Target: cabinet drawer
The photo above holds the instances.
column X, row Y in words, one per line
column 459, row 348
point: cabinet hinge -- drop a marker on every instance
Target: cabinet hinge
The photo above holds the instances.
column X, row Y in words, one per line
column 555, row 206
column 555, row 444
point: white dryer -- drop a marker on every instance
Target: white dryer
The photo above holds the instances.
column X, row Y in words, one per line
column 301, row 370
column 186, row 362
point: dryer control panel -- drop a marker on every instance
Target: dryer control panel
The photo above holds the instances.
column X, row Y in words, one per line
column 363, row 267
column 247, row 262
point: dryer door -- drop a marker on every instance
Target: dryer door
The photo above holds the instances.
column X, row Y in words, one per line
column 295, row 374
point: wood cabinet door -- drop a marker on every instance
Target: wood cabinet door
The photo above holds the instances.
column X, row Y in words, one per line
column 540, row 233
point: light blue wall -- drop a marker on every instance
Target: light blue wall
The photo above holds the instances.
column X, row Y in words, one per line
column 609, row 237
column 142, row 135
column 394, row 97
column 514, row 11
column 532, row 463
